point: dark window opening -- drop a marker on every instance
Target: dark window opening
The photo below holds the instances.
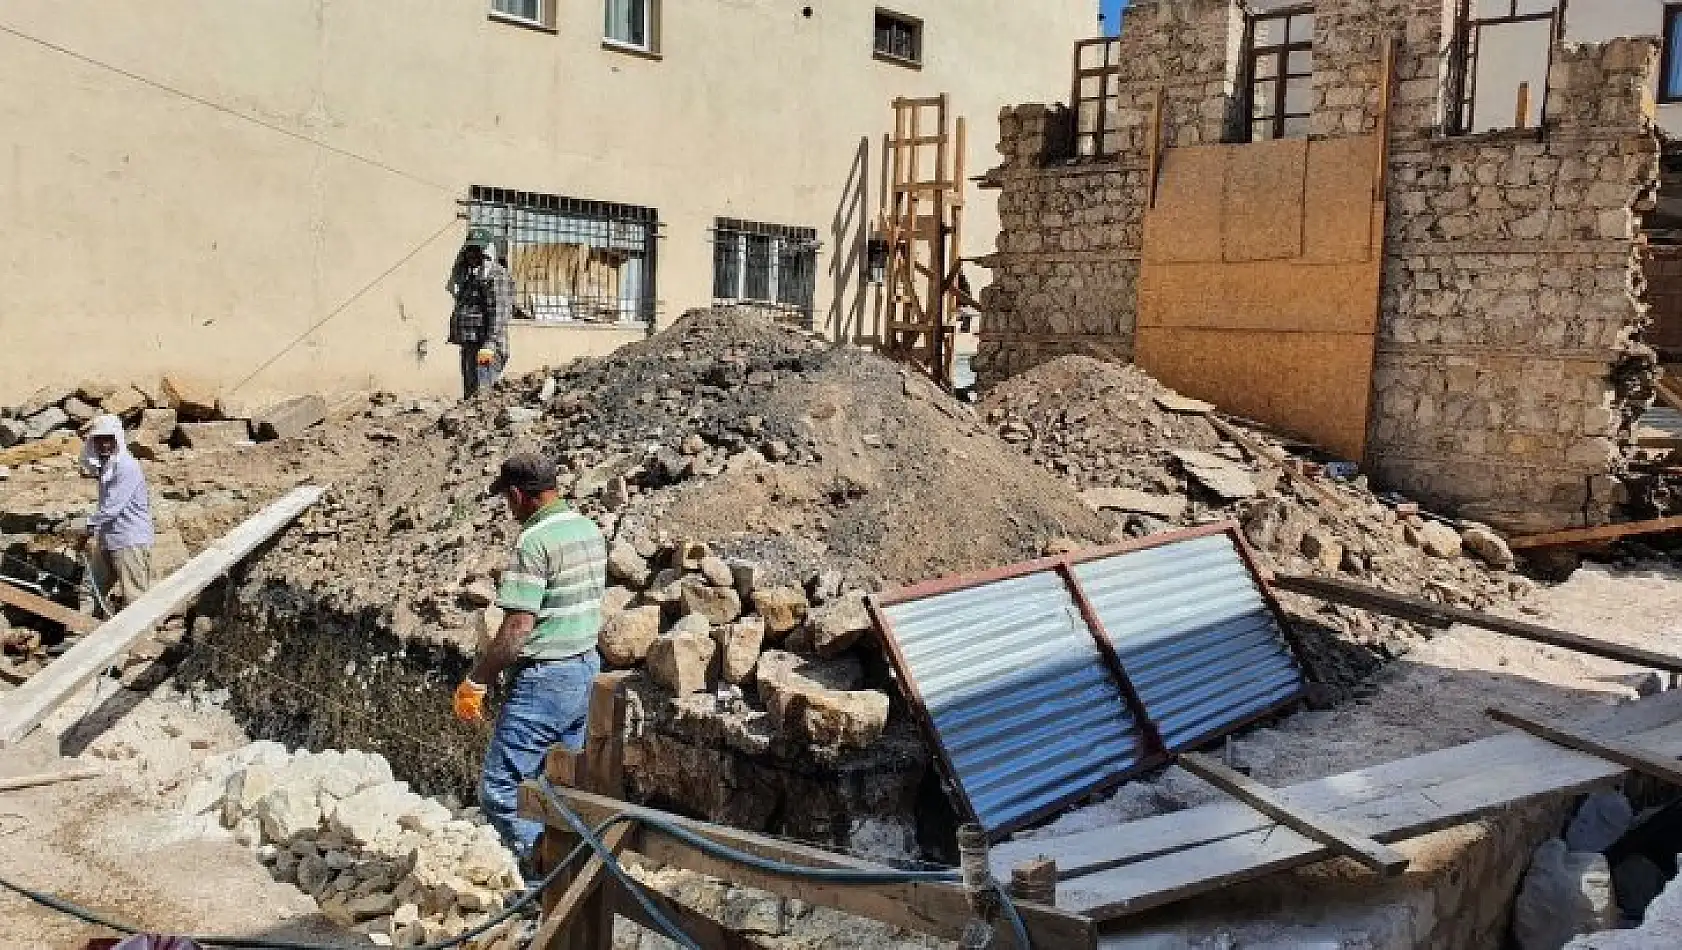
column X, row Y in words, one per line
column 899, row 37
column 574, row 261
column 1503, row 50
column 1670, row 69
column 1280, row 81
column 766, row 264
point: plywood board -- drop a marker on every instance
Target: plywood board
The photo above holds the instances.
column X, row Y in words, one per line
column 1262, row 216
column 1185, row 224
column 1338, row 209
column 1261, row 295
column 1317, row 384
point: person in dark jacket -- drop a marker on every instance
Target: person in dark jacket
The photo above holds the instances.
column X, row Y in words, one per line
column 484, row 303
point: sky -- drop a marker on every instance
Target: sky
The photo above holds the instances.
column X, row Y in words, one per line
column 1112, row 13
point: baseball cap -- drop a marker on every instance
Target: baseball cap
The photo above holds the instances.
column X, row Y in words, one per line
column 529, row 472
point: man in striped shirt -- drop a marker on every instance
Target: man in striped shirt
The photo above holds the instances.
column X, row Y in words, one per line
column 551, row 593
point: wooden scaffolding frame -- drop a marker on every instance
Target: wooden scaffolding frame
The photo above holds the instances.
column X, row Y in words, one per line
column 921, row 222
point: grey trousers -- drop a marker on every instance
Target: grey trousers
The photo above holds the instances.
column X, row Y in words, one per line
column 475, row 377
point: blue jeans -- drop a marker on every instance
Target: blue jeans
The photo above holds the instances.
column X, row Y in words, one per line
column 547, row 705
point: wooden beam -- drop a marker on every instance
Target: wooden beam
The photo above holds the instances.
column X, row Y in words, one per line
column 931, row 908
column 46, row 609
column 1666, row 769
column 586, row 884
column 1424, row 611
column 24, row 708
column 1667, row 395
column 1331, row 832
column 48, row 778
column 1607, row 532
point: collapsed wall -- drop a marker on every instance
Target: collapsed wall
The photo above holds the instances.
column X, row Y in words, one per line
column 1508, row 367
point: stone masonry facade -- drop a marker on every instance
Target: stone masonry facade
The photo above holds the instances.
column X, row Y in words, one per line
column 1508, row 367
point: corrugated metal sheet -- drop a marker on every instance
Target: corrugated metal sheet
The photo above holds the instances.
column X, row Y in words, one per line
column 1195, row 635
column 1025, row 709
column 1026, row 706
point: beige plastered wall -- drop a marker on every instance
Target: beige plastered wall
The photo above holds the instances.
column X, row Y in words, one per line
column 306, row 160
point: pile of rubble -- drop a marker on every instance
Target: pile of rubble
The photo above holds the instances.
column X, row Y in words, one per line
column 177, row 412
column 1151, row 460
column 403, row 869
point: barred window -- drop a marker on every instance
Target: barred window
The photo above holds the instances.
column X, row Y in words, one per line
column 573, row 260
column 899, row 37
column 768, row 264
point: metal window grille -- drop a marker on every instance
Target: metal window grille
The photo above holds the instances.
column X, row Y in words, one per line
column 767, row 264
column 572, row 260
column 900, row 37
column 1279, row 84
column 1473, row 19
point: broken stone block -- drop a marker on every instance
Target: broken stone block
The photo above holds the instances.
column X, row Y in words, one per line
column 1490, row 547
column 245, row 789
column 288, row 811
column 1601, row 820
column 151, row 437
column 1564, row 894
column 371, row 814
column 616, row 599
column 1226, row 480
column 126, row 402
column 810, row 701
column 838, row 626
column 616, row 494
column 626, row 636
column 745, row 577
column 717, row 572
column 479, row 593
column 289, row 418
column 776, row 450
column 624, row 564
column 689, row 555
column 210, row 436
column 38, row 425
column 739, row 645
column 1438, row 539
column 12, row 431
column 194, row 400
column 95, row 392
column 1166, row 507
column 1322, row 549
column 783, row 608
column 682, row 660
column 80, row 413
column 719, row 605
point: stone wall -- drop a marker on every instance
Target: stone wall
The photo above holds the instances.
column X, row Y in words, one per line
column 1508, row 363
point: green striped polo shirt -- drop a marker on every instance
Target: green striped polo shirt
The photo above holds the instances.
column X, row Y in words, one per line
column 557, row 573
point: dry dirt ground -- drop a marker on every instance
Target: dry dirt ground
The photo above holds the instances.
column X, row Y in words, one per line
column 118, row 844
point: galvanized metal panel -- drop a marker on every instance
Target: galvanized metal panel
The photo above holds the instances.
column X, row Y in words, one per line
column 1027, row 714
column 1195, row 635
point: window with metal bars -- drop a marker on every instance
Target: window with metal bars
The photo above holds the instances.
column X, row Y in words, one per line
column 574, row 261
column 767, row 264
column 899, row 37
column 1503, row 50
column 1281, row 74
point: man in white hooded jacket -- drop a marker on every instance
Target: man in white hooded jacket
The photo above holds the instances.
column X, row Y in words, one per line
column 120, row 532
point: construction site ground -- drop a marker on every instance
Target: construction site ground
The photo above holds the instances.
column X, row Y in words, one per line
column 118, row 843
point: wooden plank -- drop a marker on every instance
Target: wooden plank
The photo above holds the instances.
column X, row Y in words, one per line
column 588, row 883
column 937, row 909
column 59, row 443
column 48, row 778
column 1413, row 608
column 46, row 609
column 1609, row 532
column 1350, row 795
column 1664, row 768
column 24, row 708
column 1328, row 831
column 1262, row 451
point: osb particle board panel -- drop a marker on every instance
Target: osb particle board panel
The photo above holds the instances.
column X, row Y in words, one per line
column 1263, row 205
column 1338, row 210
column 1261, row 295
column 1185, row 225
column 1316, row 384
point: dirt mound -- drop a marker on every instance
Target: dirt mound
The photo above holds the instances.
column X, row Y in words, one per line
column 1153, row 461
column 727, row 428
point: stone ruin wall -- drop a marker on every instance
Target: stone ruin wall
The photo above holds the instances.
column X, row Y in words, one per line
column 1508, row 365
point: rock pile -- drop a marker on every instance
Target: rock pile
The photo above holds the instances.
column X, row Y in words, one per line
column 1152, row 460
column 403, row 869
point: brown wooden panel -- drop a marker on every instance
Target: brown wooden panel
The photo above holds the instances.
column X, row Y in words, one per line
column 1185, row 225
column 1338, row 199
column 1261, row 295
column 1314, row 384
column 1664, row 293
column 1263, row 207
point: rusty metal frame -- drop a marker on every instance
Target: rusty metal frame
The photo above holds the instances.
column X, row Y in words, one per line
column 1155, row 753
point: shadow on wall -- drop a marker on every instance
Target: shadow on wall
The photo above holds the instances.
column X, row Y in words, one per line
column 850, row 235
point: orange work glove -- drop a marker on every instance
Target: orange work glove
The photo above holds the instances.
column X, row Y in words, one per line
column 470, row 702
column 487, row 356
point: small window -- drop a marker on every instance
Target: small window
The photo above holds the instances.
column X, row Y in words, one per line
column 1670, row 71
column 899, row 38
column 1281, row 80
column 632, row 23
column 573, row 261
column 765, row 264
column 533, row 12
